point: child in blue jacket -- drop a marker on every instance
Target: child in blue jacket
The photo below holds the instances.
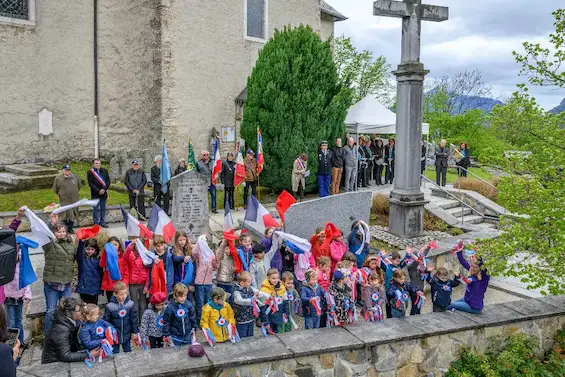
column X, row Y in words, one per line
column 398, row 294
column 311, row 297
column 89, row 271
column 122, row 314
column 92, row 330
column 442, row 288
column 389, row 266
column 179, row 318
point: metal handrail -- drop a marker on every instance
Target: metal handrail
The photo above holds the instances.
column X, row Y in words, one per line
column 454, row 197
column 476, row 176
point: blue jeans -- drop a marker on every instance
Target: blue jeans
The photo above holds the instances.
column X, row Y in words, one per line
column 246, row 329
column 99, row 212
column 229, row 289
column 324, row 181
column 312, row 322
column 126, row 345
column 15, row 317
column 52, row 298
column 203, row 293
column 462, row 306
column 212, row 190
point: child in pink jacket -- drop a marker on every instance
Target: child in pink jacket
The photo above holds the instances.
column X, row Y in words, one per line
column 338, row 248
column 206, row 265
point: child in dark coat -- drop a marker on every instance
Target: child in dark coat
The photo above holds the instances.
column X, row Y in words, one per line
column 121, row 313
column 442, row 288
column 179, row 319
column 398, row 294
column 341, row 294
column 152, row 320
column 311, row 297
column 243, row 296
column 89, row 271
column 291, row 300
column 93, row 330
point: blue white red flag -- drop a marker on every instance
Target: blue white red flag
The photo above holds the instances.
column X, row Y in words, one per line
column 217, row 169
column 260, row 156
column 259, row 214
column 160, row 223
column 135, row 228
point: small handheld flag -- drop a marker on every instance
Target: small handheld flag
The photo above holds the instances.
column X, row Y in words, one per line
column 160, row 223
column 260, row 155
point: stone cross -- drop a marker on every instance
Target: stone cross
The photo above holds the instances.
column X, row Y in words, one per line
column 407, row 202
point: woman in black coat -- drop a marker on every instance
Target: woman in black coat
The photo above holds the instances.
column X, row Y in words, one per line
column 8, row 354
column 465, row 161
column 227, row 178
column 61, row 341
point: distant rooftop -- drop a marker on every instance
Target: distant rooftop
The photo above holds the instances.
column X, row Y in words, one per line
column 329, row 10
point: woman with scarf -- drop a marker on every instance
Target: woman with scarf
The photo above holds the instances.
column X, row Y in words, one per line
column 359, row 240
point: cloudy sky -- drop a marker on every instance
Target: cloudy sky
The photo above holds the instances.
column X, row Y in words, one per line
column 480, row 34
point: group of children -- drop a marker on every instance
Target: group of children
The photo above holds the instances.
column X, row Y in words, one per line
column 269, row 287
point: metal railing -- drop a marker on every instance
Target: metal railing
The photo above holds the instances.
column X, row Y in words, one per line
column 456, row 198
column 474, row 175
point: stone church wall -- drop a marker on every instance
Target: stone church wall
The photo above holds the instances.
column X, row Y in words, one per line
column 48, row 66
column 206, row 62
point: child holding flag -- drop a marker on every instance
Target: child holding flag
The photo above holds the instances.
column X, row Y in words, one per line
column 246, row 304
column 121, row 267
column 398, row 294
column 218, row 320
column 273, row 312
column 182, row 260
column 291, row 300
column 152, row 321
column 121, row 313
column 342, row 297
column 89, row 271
column 93, row 330
column 442, row 288
column 374, row 296
column 138, row 272
column 311, row 297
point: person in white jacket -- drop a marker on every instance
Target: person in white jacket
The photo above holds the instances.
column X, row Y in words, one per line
column 260, row 264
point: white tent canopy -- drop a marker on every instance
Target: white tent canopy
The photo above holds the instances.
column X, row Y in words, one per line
column 369, row 116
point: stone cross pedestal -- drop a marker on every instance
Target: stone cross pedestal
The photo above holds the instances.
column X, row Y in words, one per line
column 406, row 217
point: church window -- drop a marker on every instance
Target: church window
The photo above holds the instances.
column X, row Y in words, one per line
column 256, row 19
column 14, row 9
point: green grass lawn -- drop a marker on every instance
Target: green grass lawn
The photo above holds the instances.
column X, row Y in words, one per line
column 41, row 198
column 452, row 174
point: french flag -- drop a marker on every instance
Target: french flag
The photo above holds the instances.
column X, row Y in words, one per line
column 133, row 227
column 228, row 222
column 260, row 156
column 239, row 176
column 257, row 213
column 160, row 223
column 217, row 169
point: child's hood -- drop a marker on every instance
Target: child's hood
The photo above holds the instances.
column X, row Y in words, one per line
column 267, row 287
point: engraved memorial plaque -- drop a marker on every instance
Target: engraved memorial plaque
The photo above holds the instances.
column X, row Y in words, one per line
column 190, row 203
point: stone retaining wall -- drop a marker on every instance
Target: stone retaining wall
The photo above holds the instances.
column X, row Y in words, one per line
column 417, row 346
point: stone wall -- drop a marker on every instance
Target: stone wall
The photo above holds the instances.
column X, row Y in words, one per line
column 48, row 65
column 207, row 59
column 416, row 346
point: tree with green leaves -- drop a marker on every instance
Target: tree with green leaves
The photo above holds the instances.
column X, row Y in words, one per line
column 544, row 66
column 363, row 72
column 532, row 246
column 295, row 97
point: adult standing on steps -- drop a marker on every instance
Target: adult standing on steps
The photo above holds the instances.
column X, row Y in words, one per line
column 227, row 177
column 350, row 157
column 135, row 182
column 66, row 186
column 158, row 195
column 324, row 169
column 99, row 182
column 205, row 166
column 337, row 166
column 390, row 151
column 250, row 176
column 442, row 155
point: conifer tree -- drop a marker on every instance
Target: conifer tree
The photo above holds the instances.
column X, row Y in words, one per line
column 295, row 98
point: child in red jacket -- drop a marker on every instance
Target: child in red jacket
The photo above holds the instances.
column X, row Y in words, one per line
column 107, row 282
column 137, row 278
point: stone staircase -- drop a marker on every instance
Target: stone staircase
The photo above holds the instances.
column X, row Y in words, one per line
column 464, row 215
column 26, row 177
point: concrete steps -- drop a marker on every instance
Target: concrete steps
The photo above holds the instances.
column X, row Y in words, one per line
column 473, row 219
column 26, row 177
column 447, row 203
column 458, row 211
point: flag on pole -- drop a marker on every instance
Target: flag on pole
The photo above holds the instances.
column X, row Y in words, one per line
column 259, row 214
column 133, row 227
column 228, row 222
column 160, row 223
column 231, row 237
column 239, row 176
column 165, row 175
column 260, row 156
column 284, row 201
column 217, row 168
column 40, row 230
column 191, row 160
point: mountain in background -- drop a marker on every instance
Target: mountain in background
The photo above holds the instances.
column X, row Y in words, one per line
column 558, row 109
column 462, row 103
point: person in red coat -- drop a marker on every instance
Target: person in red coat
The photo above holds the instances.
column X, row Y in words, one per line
column 317, row 241
column 137, row 279
column 107, row 282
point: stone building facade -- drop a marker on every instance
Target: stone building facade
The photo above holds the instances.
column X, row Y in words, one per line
column 147, row 69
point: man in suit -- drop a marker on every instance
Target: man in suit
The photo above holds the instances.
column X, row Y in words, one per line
column 99, row 182
column 389, row 155
column 161, row 199
column 442, row 155
column 324, row 169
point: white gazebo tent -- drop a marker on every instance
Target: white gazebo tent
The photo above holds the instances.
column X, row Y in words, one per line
column 369, row 116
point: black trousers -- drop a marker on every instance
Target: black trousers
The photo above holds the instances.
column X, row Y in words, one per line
column 379, row 174
column 140, row 204
column 89, row 299
column 162, row 200
column 441, row 175
column 253, row 187
column 389, row 175
column 362, row 176
column 228, row 195
column 369, row 173
column 155, row 342
column 414, row 309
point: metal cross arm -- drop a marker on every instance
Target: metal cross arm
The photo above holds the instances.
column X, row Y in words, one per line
column 406, row 8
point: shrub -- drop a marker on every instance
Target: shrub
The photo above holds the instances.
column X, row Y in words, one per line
column 380, row 205
column 479, row 186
